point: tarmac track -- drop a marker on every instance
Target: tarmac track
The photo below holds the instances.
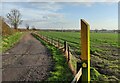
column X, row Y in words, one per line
column 28, row 60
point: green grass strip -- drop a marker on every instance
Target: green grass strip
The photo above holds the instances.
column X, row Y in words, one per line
column 8, row 41
column 61, row 72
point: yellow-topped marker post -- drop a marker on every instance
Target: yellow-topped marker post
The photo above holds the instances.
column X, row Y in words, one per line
column 85, row 51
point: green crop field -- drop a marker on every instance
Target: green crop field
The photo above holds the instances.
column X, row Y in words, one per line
column 103, row 48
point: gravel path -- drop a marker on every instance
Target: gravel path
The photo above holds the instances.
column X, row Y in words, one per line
column 29, row 60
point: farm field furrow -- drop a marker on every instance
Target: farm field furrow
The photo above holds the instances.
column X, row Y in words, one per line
column 104, row 50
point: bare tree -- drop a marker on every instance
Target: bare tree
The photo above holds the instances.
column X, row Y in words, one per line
column 14, row 18
column 27, row 26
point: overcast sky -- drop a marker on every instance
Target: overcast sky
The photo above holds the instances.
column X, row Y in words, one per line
column 65, row 15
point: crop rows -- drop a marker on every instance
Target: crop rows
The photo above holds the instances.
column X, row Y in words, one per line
column 104, row 50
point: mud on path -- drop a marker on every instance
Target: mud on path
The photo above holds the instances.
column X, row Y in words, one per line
column 29, row 60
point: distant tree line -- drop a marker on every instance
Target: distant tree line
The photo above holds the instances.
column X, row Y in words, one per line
column 105, row 30
column 14, row 18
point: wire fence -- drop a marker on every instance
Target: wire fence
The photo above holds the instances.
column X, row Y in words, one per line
column 71, row 49
column 71, row 53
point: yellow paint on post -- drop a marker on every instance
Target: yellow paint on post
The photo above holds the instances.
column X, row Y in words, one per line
column 85, row 49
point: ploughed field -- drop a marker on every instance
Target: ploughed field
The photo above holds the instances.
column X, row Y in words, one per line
column 104, row 50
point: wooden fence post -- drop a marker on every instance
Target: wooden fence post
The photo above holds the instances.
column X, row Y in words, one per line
column 85, row 51
column 68, row 53
column 65, row 46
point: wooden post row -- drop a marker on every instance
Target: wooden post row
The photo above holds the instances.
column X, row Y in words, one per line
column 85, row 51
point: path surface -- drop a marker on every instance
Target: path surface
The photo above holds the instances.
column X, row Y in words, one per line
column 29, row 60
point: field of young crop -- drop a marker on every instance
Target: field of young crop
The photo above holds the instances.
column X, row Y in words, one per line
column 104, row 49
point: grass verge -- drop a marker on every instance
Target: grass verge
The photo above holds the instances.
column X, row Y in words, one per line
column 61, row 72
column 8, row 41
